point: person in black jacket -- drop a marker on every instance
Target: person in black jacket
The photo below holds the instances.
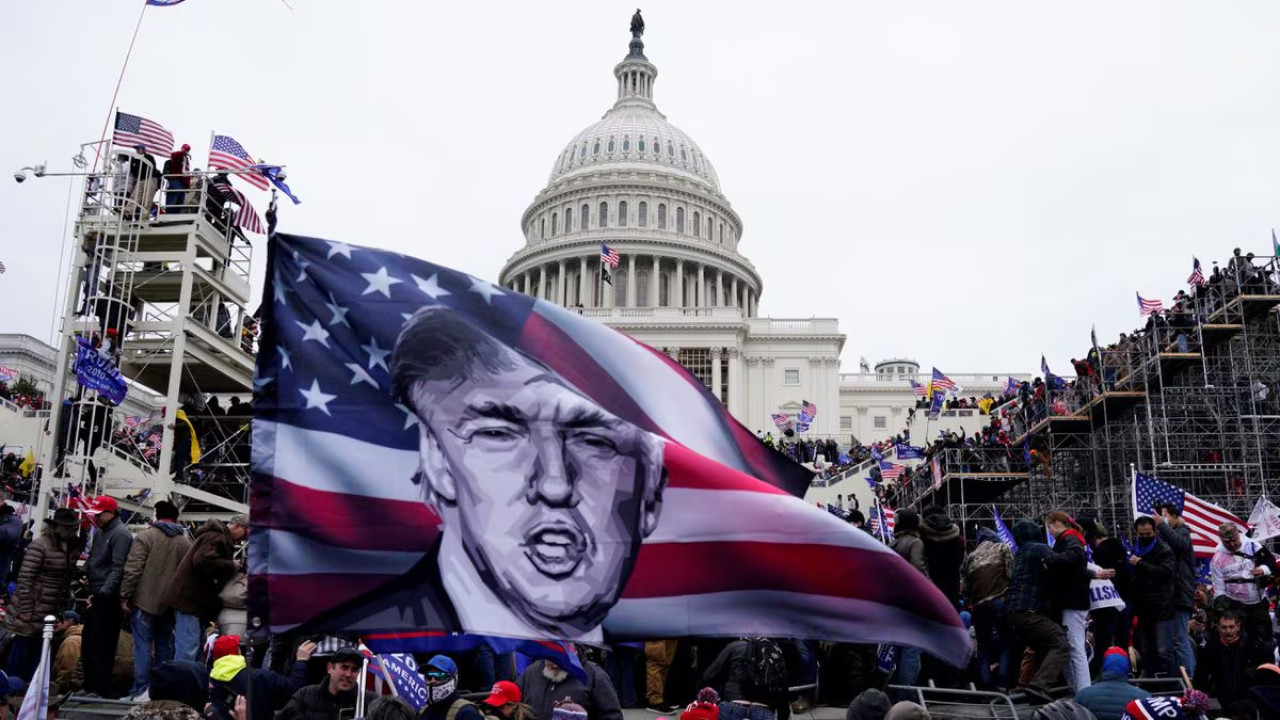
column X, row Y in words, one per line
column 1152, row 566
column 334, row 698
column 1069, row 586
column 1227, row 662
column 1111, row 626
column 1027, row 609
column 730, row 675
column 1173, row 530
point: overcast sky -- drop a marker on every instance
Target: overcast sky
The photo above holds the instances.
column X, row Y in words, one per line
column 965, row 183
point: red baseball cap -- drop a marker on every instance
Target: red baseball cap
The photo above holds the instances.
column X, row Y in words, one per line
column 226, row 645
column 104, row 503
column 503, row 692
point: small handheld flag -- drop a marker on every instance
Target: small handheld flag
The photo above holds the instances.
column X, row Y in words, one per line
column 1197, row 274
column 1147, row 307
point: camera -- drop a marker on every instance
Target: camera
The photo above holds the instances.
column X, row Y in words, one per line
column 20, row 176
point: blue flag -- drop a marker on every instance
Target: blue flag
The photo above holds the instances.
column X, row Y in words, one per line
column 1003, row 530
column 876, row 454
column 887, row 658
column 428, row 642
column 935, row 407
column 910, row 452
column 96, row 371
column 276, row 175
column 401, row 670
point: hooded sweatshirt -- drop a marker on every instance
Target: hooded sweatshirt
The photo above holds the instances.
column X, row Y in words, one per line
column 944, row 553
column 988, row 568
column 1027, row 586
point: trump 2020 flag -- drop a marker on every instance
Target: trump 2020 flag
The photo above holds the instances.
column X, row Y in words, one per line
column 433, row 452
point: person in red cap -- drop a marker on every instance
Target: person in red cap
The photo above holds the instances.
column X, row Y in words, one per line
column 103, row 617
column 175, row 171
column 506, row 699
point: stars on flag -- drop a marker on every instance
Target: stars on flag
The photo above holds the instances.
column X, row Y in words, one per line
column 486, row 290
column 377, row 355
column 314, row 331
column 338, row 248
column 317, row 399
column 285, row 360
column 411, row 418
column 339, row 313
column 359, row 375
column 380, row 282
column 431, row 286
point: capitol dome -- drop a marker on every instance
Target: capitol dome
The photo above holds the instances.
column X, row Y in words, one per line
column 635, row 135
column 635, row 184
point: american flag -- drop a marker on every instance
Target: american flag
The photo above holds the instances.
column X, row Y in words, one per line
column 1201, row 516
column 134, row 130
column 1146, row 307
column 881, row 517
column 891, row 470
column 609, row 256
column 244, row 216
column 344, row 537
column 918, row 389
column 227, row 154
column 781, row 419
column 1197, row 275
column 941, row 382
column 809, row 409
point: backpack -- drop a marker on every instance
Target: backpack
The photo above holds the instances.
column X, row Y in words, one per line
column 766, row 665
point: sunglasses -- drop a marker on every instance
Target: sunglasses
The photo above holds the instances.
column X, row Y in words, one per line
column 438, row 675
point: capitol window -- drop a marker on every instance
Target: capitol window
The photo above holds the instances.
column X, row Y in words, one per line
column 679, row 220
column 542, row 228
column 596, row 150
column 626, row 143
column 683, row 158
column 568, row 219
column 662, row 216
column 644, row 213
column 710, row 225
column 604, row 215
column 641, row 144
column 622, row 214
column 671, row 150
column 721, row 232
column 846, row 422
column 584, row 150
column 586, row 216
column 610, row 146
column 555, row 225
column 879, row 422
column 697, row 224
column 791, row 377
column 657, row 147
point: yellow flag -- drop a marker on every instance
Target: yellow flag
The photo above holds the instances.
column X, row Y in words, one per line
column 195, row 444
column 28, row 465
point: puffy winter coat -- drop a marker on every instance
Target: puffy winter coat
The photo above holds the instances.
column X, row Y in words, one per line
column 1027, row 589
column 911, row 548
column 1108, row 697
column 44, row 583
column 153, row 561
column 204, row 570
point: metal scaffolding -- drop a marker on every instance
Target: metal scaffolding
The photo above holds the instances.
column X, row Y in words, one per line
column 160, row 286
column 1190, row 399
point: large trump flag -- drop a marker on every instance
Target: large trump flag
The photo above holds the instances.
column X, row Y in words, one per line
column 436, row 453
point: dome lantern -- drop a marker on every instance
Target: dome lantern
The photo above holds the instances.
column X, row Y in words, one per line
column 635, row 73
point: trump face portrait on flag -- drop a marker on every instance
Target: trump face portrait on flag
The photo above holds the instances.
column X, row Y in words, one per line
column 436, row 454
column 544, row 497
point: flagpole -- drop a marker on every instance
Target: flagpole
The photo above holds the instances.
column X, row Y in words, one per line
column 116, row 93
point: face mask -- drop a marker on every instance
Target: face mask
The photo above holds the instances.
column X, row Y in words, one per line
column 440, row 692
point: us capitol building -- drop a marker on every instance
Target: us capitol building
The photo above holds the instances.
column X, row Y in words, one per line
column 636, row 182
